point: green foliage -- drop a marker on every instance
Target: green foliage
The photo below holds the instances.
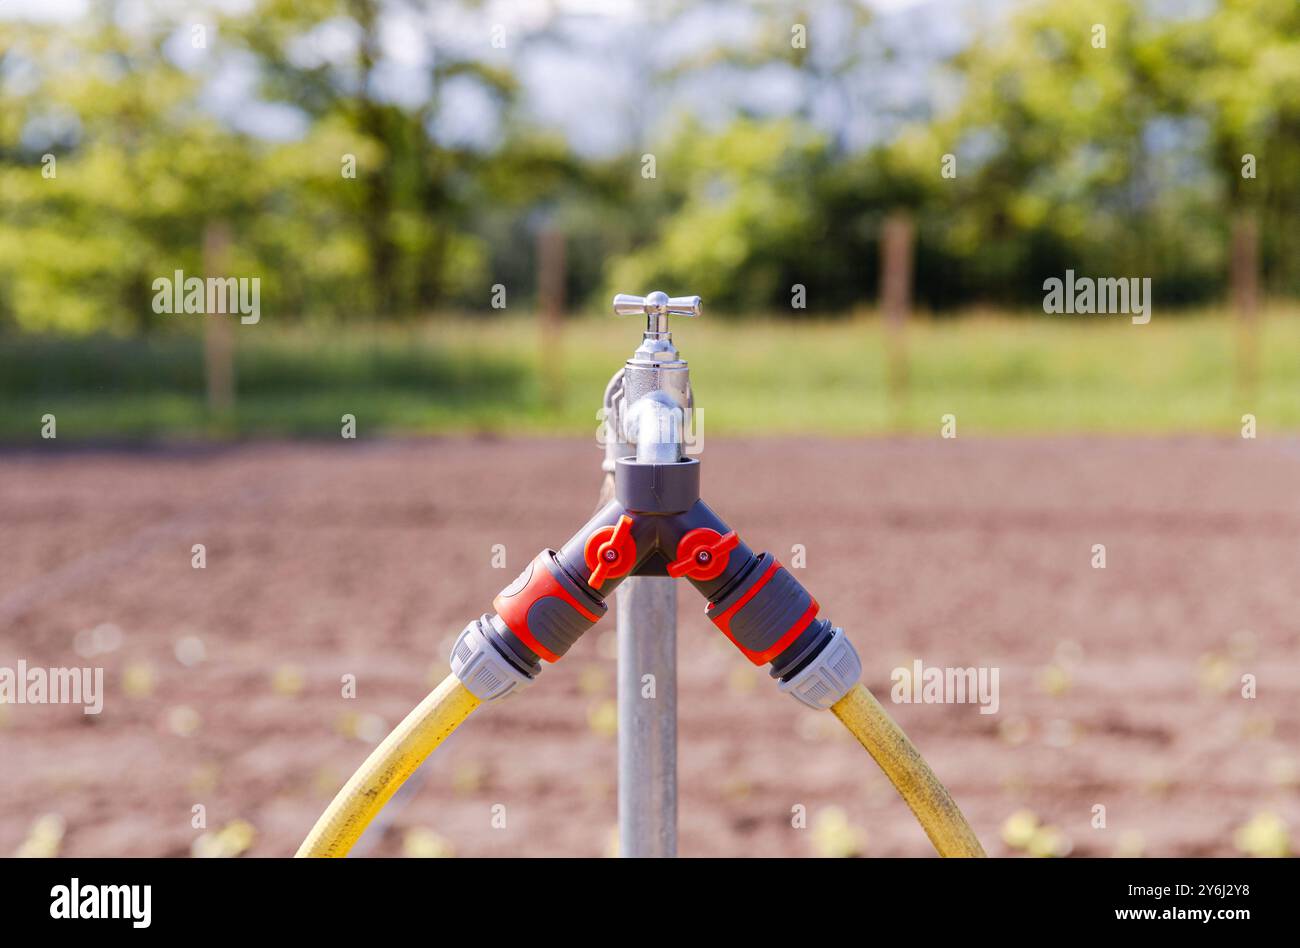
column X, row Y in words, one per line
column 1122, row 160
column 142, row 172
column 121, row 197
column 745, row 221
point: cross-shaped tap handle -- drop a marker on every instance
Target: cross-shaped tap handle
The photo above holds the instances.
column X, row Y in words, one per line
column 657, row 307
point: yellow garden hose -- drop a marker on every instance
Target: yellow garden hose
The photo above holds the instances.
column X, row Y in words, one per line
column 911, row 776
column 447, row 706
column 388, row 767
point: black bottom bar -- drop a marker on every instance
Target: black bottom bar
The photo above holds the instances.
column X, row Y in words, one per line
column 929, row 897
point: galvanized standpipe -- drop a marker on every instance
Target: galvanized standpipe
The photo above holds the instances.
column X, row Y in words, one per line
column 648, row 400
column 647, row 726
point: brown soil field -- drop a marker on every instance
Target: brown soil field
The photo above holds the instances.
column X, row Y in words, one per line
column 1119, row 687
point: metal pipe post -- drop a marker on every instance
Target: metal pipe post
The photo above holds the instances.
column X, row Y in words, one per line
column 647, row 716
column 649, row 399
column 647, row 670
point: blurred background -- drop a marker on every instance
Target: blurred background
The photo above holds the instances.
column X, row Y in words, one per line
column 433, row 196
column 439, row 199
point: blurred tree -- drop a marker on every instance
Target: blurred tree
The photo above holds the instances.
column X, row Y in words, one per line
column 350, row 185
column 1053, row 148
column 108, row 175
column 740, row 213
column 412, row 198
column 1236, row 71
column 745, row 225
column 1110, row 138
column 824, row 50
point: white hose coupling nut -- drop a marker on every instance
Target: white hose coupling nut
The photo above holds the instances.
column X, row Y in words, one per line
column 483, row 667
column 829, row 676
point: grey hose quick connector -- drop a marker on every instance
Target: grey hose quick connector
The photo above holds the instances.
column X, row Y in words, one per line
column 482, row 668
column 829, row 676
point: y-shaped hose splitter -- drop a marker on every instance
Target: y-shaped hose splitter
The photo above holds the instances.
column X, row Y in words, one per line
column 656, row 525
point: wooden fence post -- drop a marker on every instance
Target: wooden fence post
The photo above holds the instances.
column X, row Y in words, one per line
column 218, row 334
column 896, row 247
column 1244, row 279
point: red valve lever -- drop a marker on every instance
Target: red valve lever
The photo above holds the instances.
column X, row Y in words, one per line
column 610, row 552
column 703, row 554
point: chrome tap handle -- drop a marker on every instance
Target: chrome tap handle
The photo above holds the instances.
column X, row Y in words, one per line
column 657, row 307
